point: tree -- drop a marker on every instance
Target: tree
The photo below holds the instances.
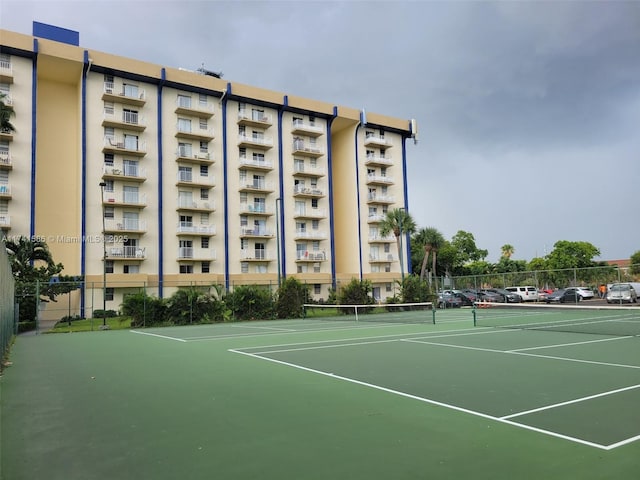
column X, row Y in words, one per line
column 398, row 221
column 6, row 112
column 566, row 254
column 431, row 240
column 465, row 244
column 507, row 251
column 37, row 275
column 635, row 263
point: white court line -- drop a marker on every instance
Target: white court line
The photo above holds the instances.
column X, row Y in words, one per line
column 157, row 335
column 264, row 328
column 513, row 352
column 569, row 402
column 429, row 401
column 569, row 344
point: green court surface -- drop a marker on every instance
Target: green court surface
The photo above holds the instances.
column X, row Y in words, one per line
column 322, row 398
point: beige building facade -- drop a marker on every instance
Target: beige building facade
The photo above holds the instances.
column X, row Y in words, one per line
column 190, row 179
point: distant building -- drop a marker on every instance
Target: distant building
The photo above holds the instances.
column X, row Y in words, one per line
column 192, row 179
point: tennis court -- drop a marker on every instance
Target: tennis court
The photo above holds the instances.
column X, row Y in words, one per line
column 328, row 397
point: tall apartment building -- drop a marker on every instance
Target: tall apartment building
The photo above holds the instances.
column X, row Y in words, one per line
column 192, row 179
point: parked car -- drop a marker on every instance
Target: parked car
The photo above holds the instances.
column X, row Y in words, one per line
column 464, row 299
column 622, row 293
column 584, row 292
column 543, row 293
column 528, row 293
column 448, row 300
column 489, row 296
column 563, row 296
column 507, row 296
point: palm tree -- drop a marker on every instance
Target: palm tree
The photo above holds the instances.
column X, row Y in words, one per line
column 398, row 221
column 6, row 111
column 432, row 240
column 24, row 252
column 507, row 250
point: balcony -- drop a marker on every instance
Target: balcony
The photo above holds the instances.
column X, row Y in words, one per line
column 254, row 118
column 310, row 256
column 122, row 145
column 122, row 93
column 125, row 199
column 125, row 225
column 255, row 255
column 126, row 253
column 255, row 141
column 255, row 232
column 196, row 254
column 302, row 191
column 255, row 164
column 310, row 235
column 187, row 156
column 257, row 186
column 5, row 221
column 188, row 204
column 188, row 179
column 6, row 134
column 300, row 147
column 378, row 160
column 5, row 190
column 184, row 106
column 384, row 258
column 188, row 228
column 377, row 140
column 303, row 170
column 379, row 198
column 256, row 209
column 200, row 134
column 377, row 238
column 312, row 213
column 128, row 120
column 372, row 179
column 6, row 72
column 375, row 218
column 5, row 161
column 300, row 127
column 124, row 172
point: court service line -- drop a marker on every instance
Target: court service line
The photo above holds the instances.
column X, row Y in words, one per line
column 158, row 335
column 569, row 344
column 276, row 329
column 425, row 400
column 569, row 402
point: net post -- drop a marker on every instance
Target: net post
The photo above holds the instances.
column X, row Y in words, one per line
column 356, row 309
column 473, row 311
column 433, row 313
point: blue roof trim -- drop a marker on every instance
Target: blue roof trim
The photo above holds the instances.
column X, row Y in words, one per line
column 57, row 34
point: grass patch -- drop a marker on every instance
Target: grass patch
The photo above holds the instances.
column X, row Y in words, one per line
column 92, row 324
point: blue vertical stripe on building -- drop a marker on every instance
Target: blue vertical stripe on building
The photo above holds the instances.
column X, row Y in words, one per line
column 163, row 76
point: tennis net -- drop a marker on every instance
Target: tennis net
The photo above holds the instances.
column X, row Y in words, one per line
column 422, row 312
column 595, row 319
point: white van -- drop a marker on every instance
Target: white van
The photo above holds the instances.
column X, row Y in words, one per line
column 528, row 293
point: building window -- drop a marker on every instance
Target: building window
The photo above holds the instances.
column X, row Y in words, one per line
column 109, row 212
column 204, row 194
column 109, row 293
column 109, row 266
column 108, row 159
column 184, row 101
column 184, row 125
column 387, row 287
column 184, row 149
column 131, row 269
column 244, row 267
column 109, row 108
column 186, row 268
column 314, row 203
column 204, row 242
column 203, row 124
column 317, row 289
column 204, row 170
column 205, row 267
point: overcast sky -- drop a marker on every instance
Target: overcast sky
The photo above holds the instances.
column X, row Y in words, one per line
column 528, row 112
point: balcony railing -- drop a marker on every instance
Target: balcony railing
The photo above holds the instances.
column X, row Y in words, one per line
column 129, row 198
column 130, row 119
column 302, row 190
column 310, row 234
column 125, row 171
column 188, row 203
column 6, row 69
column 189, row 227
column 256, row 232
column 373, row 159
column 191, row 253
column 200, row 133
column 122, row 143
column 255, row 141
column 186, row 105
column 373, row 178
column 127, row 91
column 125, row 224
column 375, row 217
column 259, row 164
column 5, row 189
column 377, row 238
column 188, row 177
column 387, row 257
column 126, row 252
column 5, row 220
column 311, row 129
column 310, row 213
column 256, row 254
column 257, row 185
column 5, row 160
column 302, row 147
column 254, row 117
column 187, row 153
column 379, row 198
column 302, row 169
column 373, row 139
column 311, row 256
column 259, row 209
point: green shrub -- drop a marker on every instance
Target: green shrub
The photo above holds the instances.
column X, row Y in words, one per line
column 356, row 292
column 195, row 306
column 251, row 302
column 292, row 295
column 104, row 313
column 414, row 290
column 144, row 310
